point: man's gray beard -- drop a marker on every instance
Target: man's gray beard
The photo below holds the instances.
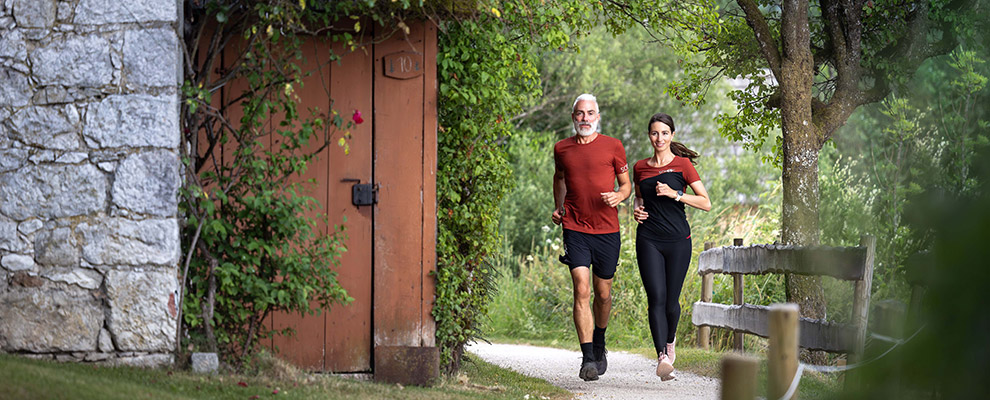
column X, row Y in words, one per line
column 594, row 128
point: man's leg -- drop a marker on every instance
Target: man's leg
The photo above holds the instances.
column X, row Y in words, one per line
column 603, row 301
column 584, row 321
column 602, row 309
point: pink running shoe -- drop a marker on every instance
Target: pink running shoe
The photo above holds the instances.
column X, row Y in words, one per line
column 670, row 352
column 664, row 368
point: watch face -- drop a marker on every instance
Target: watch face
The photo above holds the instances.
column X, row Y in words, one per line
column 680, row 192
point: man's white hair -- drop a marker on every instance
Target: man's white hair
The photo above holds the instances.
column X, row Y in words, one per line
column 587, row 96
column 596, row 127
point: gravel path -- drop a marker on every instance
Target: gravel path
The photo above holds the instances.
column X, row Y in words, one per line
column 629, row 376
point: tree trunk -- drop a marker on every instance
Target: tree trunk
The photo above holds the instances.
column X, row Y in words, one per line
column 800, row 154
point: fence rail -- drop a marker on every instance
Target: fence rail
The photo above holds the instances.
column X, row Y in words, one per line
column 748, row 318
column 847, row 263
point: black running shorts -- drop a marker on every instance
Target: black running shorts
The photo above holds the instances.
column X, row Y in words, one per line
column 598, row 251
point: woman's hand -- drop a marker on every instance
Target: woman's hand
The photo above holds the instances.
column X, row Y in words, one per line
column 640, row 214
column 664, row 190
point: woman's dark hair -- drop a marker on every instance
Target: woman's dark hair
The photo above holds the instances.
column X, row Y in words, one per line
column 678, row 148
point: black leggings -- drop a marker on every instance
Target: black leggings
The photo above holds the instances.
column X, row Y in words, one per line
column 663, row 266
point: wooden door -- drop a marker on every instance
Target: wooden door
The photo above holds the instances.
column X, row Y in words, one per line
column 338, row 340
column 391, row 245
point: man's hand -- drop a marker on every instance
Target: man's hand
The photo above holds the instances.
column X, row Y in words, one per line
column 612, row 198
column 558, row 216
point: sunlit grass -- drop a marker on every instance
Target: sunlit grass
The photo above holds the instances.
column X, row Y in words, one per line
column 22, row 378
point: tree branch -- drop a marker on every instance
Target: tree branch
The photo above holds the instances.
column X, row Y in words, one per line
column 761, row 30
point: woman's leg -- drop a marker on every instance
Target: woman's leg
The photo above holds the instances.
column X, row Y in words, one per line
column 651, row 270
column 678, row 257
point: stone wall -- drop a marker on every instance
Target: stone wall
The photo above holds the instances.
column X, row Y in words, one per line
column 89, row 175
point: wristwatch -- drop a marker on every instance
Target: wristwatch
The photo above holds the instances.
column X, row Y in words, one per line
column 679, row 194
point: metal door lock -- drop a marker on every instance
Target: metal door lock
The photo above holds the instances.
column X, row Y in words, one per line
column 362, row 194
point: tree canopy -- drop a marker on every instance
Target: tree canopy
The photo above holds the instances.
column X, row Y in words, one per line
column 812, row 64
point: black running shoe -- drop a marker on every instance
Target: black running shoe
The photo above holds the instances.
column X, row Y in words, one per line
column 589, row 371
column 601, row 363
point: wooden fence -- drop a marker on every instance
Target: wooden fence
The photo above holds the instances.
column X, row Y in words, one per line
column 853, row 264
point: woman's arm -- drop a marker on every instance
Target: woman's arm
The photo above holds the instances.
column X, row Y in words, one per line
column 699, row 199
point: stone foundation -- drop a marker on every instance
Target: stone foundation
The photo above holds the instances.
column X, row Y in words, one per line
column 89, row 179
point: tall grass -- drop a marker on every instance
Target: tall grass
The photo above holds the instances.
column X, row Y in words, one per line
column 535, row 305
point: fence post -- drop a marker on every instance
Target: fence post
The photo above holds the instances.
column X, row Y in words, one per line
column 737, row 298
column 782, row 353
column 707, row 286
column 739, row 377
column 861, row 299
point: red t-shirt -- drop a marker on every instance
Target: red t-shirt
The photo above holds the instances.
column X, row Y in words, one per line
column 667, row 220
column 590, row 169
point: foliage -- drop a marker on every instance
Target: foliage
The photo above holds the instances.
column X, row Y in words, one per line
column 252, row 245
column 534, row 296
column 938, row 361
column 486, row 73
column 524, row 209
column 628, row 74
column 904, row 148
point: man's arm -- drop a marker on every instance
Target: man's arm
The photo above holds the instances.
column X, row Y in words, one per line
column 559, row 191
column 625, row 189
column 625, row 186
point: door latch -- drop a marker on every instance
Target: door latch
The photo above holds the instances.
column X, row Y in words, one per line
column 362, row 194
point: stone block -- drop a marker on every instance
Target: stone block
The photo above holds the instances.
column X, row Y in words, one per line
column 51, row 95
column 94, row 357
column 30, row 226
column 139, row 310
column 148, row 183
column 9, row 240
column 11, row 159
column 12, row 46
column 78, row 60
column 84, row 278
column 99, row 12
column 34, row 13
column 204, row 363
column 120, row 241
column 18, row 262
column 52, row 191
column 26, row 279
column 106, row 342
column 74, row 157
column 15, row 90
column 134, row 121
column 144, row 360
column 151, row 58
column 74, row 357
column 47, row 127
column 42, row 322
column 57, row 247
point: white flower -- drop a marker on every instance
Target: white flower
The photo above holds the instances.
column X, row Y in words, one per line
column 546, row 229
column 529, row 257
column 549, row 241
column 554, row 246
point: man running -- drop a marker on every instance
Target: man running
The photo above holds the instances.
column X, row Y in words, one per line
column 587, row 166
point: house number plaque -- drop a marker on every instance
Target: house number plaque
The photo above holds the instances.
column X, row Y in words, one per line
column 403, row 65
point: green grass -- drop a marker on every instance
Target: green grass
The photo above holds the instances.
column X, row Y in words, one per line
column 22, row 378
column 708, row 363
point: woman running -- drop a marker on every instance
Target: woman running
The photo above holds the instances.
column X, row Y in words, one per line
column 663, row 238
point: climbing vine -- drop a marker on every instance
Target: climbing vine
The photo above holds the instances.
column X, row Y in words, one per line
column 246, row 230
column 487, row 74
